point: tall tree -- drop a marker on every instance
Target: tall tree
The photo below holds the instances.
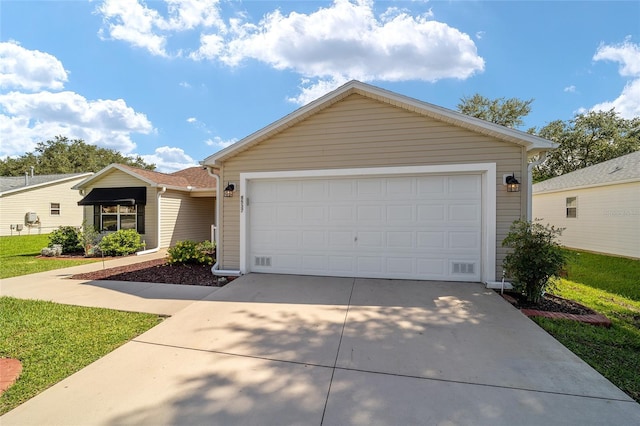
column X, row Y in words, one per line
column 506, row 112
column 587, row 139
column 62, row 155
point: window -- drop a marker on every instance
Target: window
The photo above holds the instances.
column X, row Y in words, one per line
column 54, row 209
column 114, row 218
column 572, row 207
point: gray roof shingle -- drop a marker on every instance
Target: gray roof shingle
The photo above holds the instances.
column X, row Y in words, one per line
column 622, row 169
column 9, row 183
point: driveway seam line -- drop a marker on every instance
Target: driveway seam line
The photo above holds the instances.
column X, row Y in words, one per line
column 335, row 362
column 335, row 367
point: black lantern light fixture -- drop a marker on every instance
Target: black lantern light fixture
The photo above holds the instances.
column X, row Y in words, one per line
column 228, row 191
column 513, row 185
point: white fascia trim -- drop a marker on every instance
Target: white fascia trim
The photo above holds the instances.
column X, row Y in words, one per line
column 488, row 171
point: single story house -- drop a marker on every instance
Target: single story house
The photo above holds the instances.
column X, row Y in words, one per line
column 39, row 204
column 364, row 182
column 163, row 208
column 598, row 206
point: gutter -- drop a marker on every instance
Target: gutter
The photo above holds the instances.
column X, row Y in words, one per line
column 530, row 166
column 218, row 245
column 157, row 248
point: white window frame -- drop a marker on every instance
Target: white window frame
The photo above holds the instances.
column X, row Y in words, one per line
column 574, row 206
column 119, row 216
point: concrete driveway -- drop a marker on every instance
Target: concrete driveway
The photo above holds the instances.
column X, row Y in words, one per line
column 280, row 350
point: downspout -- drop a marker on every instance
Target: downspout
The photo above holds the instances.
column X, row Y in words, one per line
column 530, row 166
column 158, row 206
column 218, row 245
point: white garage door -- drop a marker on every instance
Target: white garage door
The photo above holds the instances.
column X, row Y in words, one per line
column 412, row 227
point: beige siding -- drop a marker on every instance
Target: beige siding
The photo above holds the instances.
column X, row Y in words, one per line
column 359, row 132
column 185, row 218
column 608, row 218
column 13, row 208
column 118, row 179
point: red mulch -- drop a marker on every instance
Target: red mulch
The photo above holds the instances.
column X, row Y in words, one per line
column 10, row 370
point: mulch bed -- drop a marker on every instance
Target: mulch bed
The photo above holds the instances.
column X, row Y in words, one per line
column 155, row 271
column 557, row 308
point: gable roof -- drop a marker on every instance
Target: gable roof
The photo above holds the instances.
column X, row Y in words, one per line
column 13, row 184
column 623, row 169
column 190, row 179
column 534, row 144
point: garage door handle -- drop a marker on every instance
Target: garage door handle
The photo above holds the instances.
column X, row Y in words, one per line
column 355, row 239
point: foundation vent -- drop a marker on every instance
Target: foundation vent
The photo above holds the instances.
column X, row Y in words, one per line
column 262, row 261
column 464, row 268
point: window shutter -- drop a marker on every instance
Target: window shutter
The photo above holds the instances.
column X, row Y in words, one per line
column 140, row 218
column 96, row 217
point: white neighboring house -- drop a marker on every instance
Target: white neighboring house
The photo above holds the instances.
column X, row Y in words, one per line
column 599, row 206
column 39, row 204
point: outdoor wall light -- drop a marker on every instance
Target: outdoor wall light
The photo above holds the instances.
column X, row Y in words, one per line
column 228, row 191
column 513, row 185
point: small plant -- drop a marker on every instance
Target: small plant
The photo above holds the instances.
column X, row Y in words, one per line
column 536, row 257
column 90, row 238
column 67, row 237
column 121, row 243
column 191, row 252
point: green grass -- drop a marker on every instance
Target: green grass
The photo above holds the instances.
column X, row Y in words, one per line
column 610, row 286
column 53, row 341
column 18, row 256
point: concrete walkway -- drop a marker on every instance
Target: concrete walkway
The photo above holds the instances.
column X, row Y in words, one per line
column 280, row 350
column 56, row 286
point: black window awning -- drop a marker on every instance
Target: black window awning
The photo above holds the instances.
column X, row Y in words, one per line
column 114, row 196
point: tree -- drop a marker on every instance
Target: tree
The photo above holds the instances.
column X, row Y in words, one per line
column 62, row 155
column 506, row 112
column 587, row 139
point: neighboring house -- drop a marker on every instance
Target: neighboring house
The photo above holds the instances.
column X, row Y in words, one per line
column 364, row 182
column 39, row 204
column 163, row 208
column 599, row 206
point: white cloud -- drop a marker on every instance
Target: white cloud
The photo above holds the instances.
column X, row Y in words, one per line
column 570, row 89
column 480, row 34
column 627, row 54
column 28, row 118
column 184, row 85
column 25, row 69
column 192, row 120
column 218, row 143
column 627, row 104
column 347, row 41
column 168, row 159
column 342, row 41
column 135, row 23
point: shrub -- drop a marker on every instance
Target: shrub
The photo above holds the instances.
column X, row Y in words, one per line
column 67, row 237
column 121, row 243
column 191, row 252
column 536, row 257
column 90, row 239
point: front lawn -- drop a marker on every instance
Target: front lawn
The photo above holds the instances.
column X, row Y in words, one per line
column 54, row 341
column 610, row 286
column 18, row 256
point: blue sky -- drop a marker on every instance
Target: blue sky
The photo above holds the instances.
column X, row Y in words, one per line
column 176, row 80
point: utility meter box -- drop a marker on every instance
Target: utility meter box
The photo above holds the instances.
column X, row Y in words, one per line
column 31, row 217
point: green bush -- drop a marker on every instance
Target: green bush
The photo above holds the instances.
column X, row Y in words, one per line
column 191, row 252
column 536, row 257
column 67, row 237
column 121, row 243
column 90, row 239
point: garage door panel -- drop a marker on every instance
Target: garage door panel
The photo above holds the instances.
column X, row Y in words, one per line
column 418, row 227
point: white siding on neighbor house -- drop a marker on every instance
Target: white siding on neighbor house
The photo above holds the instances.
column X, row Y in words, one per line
column 359, row 132
column 118, row 179
column 608, row 218
column 185, row 218
column 14, row 207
